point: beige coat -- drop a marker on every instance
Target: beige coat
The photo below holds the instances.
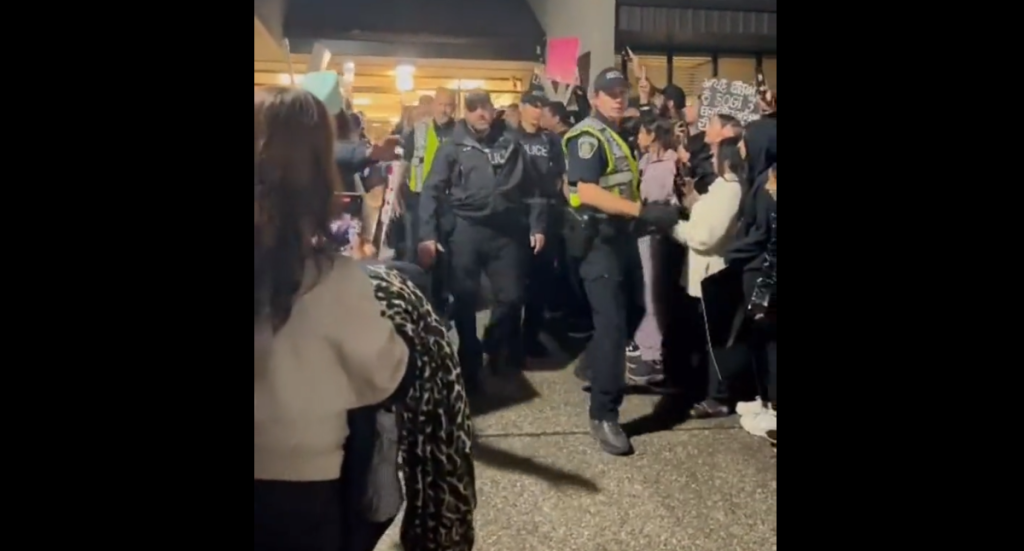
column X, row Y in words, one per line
column 710, row 231
column 336, row 353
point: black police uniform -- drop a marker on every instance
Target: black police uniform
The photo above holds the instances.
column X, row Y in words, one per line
column 472, row 203
column 613, row 279
column 545, row 166
column 569, row 296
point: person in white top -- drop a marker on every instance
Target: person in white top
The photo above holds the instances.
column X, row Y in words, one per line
column 321, row 347
column 708, row 234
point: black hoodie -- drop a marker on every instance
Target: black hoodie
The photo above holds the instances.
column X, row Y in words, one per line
column 758, row 206
column 761, row 138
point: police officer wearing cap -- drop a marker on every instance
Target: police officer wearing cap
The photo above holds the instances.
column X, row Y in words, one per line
column 545, row 166
column 473, row 205
column 603, row 187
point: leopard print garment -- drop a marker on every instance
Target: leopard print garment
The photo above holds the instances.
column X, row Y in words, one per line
column 436, row 431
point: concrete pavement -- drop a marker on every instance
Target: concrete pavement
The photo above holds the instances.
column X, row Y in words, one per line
column 545, row 486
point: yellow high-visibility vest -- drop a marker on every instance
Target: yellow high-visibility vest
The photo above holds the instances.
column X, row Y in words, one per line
column 622, row 176
column 427, row 144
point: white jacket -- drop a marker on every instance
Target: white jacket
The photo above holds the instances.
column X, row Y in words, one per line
column 710, row 231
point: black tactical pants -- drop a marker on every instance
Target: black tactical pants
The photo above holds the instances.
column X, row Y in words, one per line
column 614, row 282
column 496, row 250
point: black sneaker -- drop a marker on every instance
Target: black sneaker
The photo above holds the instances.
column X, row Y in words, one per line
column 646, row 373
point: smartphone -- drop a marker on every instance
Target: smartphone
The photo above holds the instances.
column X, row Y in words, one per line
column 346, row 220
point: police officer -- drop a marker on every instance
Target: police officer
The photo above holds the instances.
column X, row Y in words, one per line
column 421, row 146
column 603, row 179
column 477, row 176
column 545, row 166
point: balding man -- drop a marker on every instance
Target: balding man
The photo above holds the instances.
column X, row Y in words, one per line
column 421, row 147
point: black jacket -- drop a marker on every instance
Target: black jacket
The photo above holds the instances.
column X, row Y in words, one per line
column 766, row 289
column 758, row 206
column 479, row 179
column 545, row 161
column 753, row 233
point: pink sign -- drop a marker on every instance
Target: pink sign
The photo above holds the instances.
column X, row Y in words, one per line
column 562, row 56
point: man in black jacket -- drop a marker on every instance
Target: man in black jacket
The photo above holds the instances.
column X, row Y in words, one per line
column 473, row 202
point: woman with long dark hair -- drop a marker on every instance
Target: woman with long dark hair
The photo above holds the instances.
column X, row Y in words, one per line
column 708, row 235
column 329, row 339
column 311, row 368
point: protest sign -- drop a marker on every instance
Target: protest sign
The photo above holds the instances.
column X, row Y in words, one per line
column 563, row 54
column 731, row 97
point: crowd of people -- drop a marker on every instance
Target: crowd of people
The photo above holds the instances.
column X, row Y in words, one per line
column 613, row 220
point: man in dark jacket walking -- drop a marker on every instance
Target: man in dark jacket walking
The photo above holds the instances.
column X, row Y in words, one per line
column 471, row 207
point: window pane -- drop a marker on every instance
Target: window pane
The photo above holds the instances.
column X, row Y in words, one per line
column 657, row 70
column 738, row 68
column 771, row 67
column 689, row 74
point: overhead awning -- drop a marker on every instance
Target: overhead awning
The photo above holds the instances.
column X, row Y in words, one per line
column 454, row 29
column 694, row 29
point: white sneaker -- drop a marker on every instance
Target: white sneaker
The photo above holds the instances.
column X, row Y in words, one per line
column 744, row 409
column 760, row 424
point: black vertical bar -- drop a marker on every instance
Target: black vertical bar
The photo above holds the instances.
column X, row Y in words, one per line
column 714, row 65
column 671, row 66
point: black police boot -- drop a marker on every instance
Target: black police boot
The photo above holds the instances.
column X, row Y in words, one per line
column 611, row 437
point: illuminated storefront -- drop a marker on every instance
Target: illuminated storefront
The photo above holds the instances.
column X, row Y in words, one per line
column 382, row 86
column 685, row 42
column 689, row 71
column 395, row 60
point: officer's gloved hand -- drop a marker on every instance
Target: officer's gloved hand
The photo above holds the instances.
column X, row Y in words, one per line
column 662, row 216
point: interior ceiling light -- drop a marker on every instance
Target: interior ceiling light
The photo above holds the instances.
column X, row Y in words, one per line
column 405, row 78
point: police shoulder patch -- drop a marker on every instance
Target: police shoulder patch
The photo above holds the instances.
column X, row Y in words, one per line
column 588, row 146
